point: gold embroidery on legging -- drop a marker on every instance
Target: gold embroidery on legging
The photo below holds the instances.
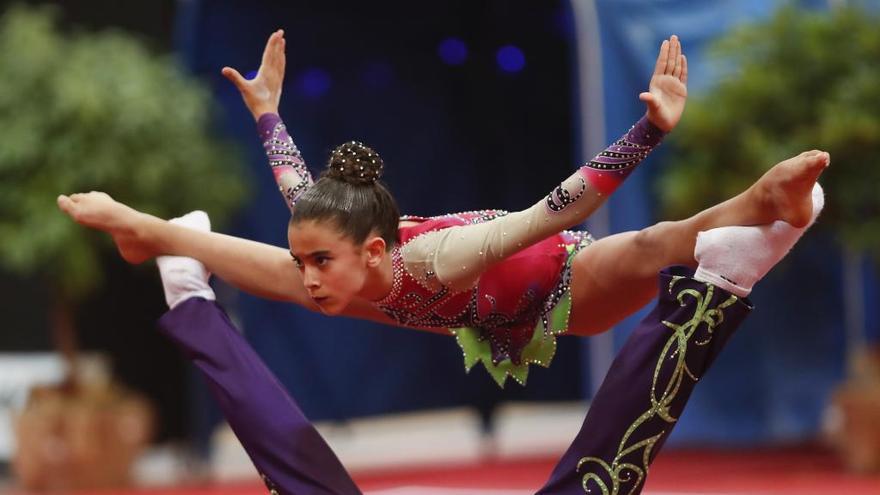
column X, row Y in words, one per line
column 622, row 473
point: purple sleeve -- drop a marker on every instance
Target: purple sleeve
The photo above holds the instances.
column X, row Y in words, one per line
column 288, row 168
column 607, row 171
column 286, row 449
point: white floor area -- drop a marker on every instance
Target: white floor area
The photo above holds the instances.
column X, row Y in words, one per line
column 408, row 440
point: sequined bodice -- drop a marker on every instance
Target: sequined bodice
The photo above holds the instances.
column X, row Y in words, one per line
column 489, row 275
column 510, row 295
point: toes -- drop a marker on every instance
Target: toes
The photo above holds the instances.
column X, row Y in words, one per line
column 820, row 159
column 67, row 205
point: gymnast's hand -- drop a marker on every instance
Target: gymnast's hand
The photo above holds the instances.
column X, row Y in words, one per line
column 667, row 91
column 263, row 93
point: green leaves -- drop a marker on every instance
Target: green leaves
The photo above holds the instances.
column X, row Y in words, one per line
column 97, row 111
column 799, row 81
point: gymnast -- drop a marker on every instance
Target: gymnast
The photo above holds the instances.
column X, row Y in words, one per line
column 504, row 284
column 630, row 417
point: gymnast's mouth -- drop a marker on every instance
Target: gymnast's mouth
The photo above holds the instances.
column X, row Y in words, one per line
column 320, row 299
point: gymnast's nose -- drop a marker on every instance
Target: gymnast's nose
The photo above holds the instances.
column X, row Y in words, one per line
column 311, row 279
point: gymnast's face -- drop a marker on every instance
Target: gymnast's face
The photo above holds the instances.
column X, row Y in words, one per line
column 334, row 269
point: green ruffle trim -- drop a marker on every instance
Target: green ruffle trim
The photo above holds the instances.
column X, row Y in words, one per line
column 540, row 350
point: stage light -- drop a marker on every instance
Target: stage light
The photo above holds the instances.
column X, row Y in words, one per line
column 510, row 59
column 452, row 51
column 315, row 82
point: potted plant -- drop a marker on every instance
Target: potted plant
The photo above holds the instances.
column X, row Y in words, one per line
column 84, row 111
column 801, row 80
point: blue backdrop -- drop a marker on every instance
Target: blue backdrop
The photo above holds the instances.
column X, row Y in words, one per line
column 454, row 136
column 472, row 135
column 774, row 379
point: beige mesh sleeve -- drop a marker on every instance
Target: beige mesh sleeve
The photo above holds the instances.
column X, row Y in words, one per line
column 457, row 256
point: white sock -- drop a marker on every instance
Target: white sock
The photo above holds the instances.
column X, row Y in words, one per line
column 182, row 277
column 735, row 258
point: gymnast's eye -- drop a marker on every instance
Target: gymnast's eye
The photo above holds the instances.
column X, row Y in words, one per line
column 297, row 262
column 322, row 260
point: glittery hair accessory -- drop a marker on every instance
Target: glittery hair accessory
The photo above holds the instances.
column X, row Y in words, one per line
column 355, row 163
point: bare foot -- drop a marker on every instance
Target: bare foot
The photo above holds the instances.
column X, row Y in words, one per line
column 99, row 211
column 785, row 191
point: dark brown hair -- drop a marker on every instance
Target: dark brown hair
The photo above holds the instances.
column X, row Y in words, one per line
column 350, row 195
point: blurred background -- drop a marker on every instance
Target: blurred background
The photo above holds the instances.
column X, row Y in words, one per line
column 472, row 105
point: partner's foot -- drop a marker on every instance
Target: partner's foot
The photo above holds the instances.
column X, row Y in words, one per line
column 785, row 191
column 99, row 211
column 735, row 258
column 182, row 277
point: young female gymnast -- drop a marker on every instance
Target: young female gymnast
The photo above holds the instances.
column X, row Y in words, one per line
column 504, row 284
column 632, row 414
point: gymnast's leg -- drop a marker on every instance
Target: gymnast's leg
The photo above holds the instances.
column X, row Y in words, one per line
column 631, row 260
column 653, row 375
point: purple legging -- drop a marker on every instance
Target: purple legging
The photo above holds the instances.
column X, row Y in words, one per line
column 631, row 416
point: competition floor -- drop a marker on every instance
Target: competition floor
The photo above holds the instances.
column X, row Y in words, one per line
column 794, row 471
column 753, row 472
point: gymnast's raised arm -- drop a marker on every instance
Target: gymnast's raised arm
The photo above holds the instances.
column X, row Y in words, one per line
column 262, row 95
column 260, row 269
column 457, row 256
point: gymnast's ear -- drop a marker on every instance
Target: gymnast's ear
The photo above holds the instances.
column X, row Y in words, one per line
column 374, row 247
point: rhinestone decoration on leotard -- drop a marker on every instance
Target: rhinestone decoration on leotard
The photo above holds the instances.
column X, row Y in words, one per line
column 626, row 153
column 562, row 197
column 282, row 152
column 423, row 304
column 533, row 339
column 507, row 334
column 414, row 302
column 607, row 170
column 579, row 240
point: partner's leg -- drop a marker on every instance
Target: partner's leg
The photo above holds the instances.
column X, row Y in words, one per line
column 648, row 386
column 614, row 277
column 284, row 446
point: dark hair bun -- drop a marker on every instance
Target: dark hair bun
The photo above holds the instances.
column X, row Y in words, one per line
column 355, row 163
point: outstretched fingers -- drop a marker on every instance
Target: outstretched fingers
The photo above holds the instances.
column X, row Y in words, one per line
column 270, row 46
column 671, row 61
column 674, row 53
column 662, row 57
column 273, row 60
column 676, row 71
column 273, row 55
column 684, row 70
